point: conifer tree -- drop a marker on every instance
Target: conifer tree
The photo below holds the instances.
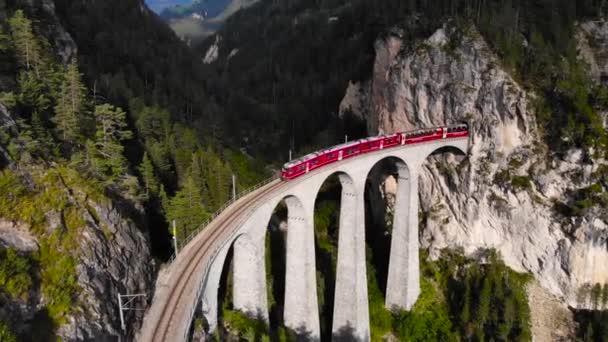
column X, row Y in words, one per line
column 605, row 296
column 485, row 297
column 596, row 295
column 71, row 105
column 4, row 41
column 27, row 46
column 111, row 130
column 187, row 208
column 32, row 92
column 149, row 178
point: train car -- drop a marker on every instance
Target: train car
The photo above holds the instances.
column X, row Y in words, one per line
column 316, row 160
column 424, row 135
column 457, row 131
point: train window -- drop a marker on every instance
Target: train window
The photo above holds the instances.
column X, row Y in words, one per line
column 332, row 155
column 314, row 162
column 351, row 150
column 301, row 167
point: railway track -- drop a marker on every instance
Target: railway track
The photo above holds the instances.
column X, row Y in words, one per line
column 195, row 254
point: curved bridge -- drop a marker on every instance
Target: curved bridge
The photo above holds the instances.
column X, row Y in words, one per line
column 195, row 274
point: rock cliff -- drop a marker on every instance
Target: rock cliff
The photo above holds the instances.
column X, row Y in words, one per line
column 110, row 247
column 592, row 40
column 111, row 253
column 502, row 195
column 114, row 258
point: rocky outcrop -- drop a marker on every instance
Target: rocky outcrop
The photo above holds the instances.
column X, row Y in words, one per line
column 503, row 194
column 592, row 40
column 112, row 252
column 8, row 126
column 213, row 51
column 114, row 258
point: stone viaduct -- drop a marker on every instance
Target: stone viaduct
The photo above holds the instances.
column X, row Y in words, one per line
column 243, row 227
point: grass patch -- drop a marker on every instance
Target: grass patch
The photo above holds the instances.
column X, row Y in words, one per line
column 15, row 277
column 57, row 190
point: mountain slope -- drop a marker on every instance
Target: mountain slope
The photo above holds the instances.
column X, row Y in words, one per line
column 94, row 166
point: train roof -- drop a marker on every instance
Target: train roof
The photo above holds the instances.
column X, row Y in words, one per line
column 332, row 149
column 356, row 142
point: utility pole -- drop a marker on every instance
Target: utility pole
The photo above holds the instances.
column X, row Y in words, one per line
column 289, row 154
column 233, row 187
column 345, row 138
column 175, row 238
column 122, row 307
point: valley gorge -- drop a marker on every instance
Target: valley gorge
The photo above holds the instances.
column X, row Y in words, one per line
column 85, row 216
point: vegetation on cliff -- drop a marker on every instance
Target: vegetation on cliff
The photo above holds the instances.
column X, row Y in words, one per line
column 70, row 147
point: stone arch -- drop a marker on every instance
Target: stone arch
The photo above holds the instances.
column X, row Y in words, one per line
column 392, row 173
column 453, row 148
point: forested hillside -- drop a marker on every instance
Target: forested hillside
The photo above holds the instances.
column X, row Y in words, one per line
column 140, row 65
column 99, row 151
column 290, row 62
column 111, row 128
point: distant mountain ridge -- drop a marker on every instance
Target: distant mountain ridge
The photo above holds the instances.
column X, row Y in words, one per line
column 204, row 8
column 201, row 18
column 159, row 5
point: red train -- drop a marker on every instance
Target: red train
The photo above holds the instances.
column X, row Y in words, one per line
column 316, row 160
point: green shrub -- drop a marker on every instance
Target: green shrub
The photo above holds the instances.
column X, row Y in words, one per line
column 6, row 333
column 14, row 274
column 521, row 182
column 245, row 327
column 380, row 319
column 428, row 320
column 59, row 280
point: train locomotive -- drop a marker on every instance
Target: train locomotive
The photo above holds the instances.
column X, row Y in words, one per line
column 306, row 164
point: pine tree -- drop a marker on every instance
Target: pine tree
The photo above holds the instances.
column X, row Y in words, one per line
column 66, row 120
column 605, row 296
column 187, row 208
column 40, row 131
column 71, row 105
column 111, row 130
column 589, row 334
column 596, row 296
column 33, row 92
column 146, row 169
column 485, row 298
column 4, row 41
column 27, row 46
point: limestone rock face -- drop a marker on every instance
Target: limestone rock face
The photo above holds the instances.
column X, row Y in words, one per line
column 114, row 257
column 592, row 40
column 63, row 44
column 113, row 253
column 502, row 194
